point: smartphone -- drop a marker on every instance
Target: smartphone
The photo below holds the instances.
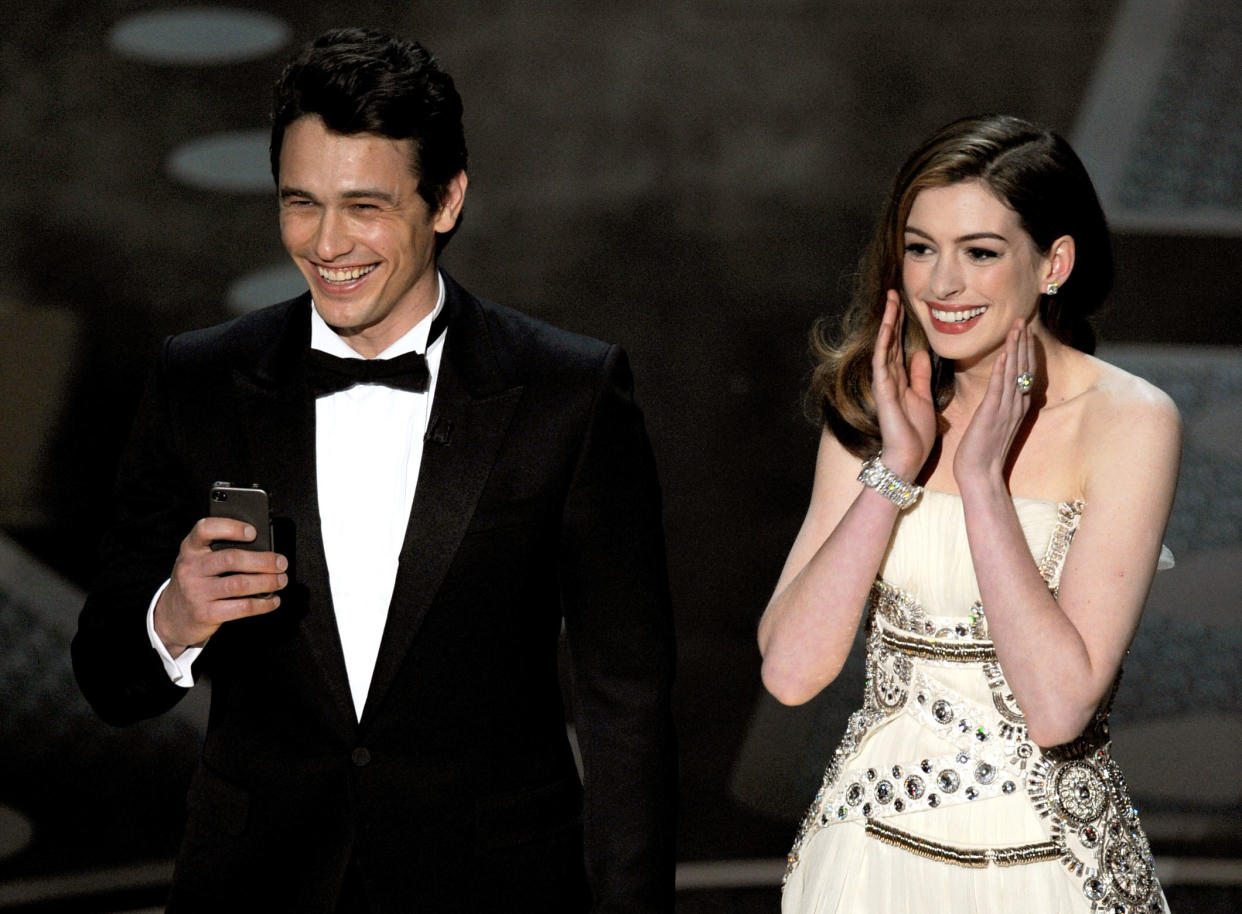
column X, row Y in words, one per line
column 244, row 503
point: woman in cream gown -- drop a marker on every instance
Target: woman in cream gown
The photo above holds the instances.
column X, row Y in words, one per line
column 1014, row 492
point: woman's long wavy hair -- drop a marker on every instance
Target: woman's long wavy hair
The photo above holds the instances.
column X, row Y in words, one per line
column 1037, row 175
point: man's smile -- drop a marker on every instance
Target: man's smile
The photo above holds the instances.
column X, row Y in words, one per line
column 343, row 274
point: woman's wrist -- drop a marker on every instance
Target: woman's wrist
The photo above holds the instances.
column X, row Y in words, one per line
column 888, row 482
column 982, row 486
column 907, row 468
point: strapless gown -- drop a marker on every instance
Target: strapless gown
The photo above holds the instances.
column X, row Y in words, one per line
column 936, row 802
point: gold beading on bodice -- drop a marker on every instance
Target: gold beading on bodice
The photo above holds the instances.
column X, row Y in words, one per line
column 1076, row 789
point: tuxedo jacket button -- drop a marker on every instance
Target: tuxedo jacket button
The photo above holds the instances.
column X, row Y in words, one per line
column 361, row 757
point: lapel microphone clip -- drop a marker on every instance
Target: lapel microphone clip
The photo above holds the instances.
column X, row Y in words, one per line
column 439, row 430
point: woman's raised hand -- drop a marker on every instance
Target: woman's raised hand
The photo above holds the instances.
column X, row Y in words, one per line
column 984, row 450
column 903, row 398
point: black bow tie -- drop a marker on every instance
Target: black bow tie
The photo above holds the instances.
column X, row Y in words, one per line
column 329, row 374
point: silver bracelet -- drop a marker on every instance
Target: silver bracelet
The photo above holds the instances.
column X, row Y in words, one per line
column 876, row 475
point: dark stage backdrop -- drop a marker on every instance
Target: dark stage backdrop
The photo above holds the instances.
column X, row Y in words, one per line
column 692, row 180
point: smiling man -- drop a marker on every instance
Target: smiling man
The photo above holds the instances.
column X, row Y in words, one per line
column 354, row 222
column 452, row 484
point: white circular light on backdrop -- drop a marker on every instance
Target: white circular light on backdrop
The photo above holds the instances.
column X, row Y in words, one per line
column 235, row 161
column 265, row 286
column 198, row 35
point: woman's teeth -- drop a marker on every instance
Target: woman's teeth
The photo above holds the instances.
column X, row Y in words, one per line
column 956, row 317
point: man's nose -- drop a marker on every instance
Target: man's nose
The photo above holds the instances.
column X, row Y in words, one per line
column 331, row 236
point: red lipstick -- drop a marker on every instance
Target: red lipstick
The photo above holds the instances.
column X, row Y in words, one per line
column 955, row 326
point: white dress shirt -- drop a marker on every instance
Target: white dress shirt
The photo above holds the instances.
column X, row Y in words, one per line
column 368, row 452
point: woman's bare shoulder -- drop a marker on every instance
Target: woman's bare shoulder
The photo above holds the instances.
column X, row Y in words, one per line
column 1116, row 395
column 1127, row 418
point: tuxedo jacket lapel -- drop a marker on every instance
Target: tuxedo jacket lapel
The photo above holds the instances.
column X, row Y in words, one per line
column 472, row 409
column 278, row 430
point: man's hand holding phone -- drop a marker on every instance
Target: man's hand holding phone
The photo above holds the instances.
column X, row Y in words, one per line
column 218, row 576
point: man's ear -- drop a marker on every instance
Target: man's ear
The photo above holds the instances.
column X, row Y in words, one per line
column 454, row 199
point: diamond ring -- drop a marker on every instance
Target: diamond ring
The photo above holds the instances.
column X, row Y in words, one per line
column 1025, row 381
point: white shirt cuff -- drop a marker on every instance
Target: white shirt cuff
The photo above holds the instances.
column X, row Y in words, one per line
column 178, row 669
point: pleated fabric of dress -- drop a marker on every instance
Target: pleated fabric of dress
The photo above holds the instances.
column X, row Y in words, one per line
column 936, row 801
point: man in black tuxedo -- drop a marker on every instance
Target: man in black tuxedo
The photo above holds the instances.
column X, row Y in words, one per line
column 387, row 732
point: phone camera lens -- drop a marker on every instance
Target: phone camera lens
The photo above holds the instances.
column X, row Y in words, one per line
column 219, row 495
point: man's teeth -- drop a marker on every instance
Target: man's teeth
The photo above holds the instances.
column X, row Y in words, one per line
column 956, row 317
column 343, row 274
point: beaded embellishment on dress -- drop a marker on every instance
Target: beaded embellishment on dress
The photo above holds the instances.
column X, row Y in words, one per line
column 1076, row 789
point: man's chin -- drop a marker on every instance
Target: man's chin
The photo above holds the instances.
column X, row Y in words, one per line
column 343, row 321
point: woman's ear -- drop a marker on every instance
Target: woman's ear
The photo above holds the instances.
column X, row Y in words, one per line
column 1059, row 263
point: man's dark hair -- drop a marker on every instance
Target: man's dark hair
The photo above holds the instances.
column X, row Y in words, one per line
column 363, row 81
